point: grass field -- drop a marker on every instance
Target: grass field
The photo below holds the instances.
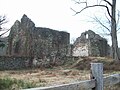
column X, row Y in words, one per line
column 71, row 71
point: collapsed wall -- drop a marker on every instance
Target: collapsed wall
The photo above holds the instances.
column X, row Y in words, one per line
column 27, row 40
column 91, row 44
column 37, row 46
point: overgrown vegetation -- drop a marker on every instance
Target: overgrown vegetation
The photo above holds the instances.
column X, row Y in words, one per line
column 73, row 70
column 84, row 63
column 14, row 84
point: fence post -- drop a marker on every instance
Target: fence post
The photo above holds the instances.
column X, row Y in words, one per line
column 97, row 74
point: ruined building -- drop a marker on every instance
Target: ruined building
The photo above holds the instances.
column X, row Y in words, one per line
column 91, row 44
column 28, row 46
column 27, row 40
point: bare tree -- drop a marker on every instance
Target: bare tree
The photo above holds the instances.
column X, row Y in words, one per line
column 111, row 11
column 2, row 31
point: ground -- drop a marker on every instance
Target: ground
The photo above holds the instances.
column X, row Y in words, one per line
column 70, row 72
column 48, row 77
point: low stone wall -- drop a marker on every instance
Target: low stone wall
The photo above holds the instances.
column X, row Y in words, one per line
column 17, row 63
column 10, row 63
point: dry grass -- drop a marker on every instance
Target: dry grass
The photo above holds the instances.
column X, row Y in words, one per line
column 47, row 77
column 78, row 70
column 108, row 63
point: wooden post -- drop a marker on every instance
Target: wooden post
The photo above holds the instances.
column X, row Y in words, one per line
column 97, row 74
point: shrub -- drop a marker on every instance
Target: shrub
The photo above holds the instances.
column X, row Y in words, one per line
column 13, row 84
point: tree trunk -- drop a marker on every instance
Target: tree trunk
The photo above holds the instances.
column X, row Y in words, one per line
column 115, row 52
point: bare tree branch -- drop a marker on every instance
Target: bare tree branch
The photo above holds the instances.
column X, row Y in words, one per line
column 73, row 10
column 95, row 6
column 4, row 32
column 79, row 2
column 76, row 2
column 2, row 21
column 100, row 2
column 109, row 21
column 118, row 29
column 97, row 20
column 104, row 32
column 108, row 2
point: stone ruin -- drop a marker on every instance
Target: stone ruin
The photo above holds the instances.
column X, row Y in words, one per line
column 43, row 46
column 27, row 40
column 90, row 44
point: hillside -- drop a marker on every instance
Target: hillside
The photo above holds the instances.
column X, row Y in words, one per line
column 71, row 71
column 83, row 63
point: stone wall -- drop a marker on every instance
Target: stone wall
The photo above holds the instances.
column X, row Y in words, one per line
column 91, row 44
column 17, row 63
column 27, row 40
column 30, row 46
column 80, row 49
column 10, row 63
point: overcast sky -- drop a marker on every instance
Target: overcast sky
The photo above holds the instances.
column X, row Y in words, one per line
column 54, row 14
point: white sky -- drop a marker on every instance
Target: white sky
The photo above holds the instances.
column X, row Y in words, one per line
column 54, row 14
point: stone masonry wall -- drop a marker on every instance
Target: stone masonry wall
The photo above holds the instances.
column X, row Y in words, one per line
column 27, row 40
column 81, row 50
column 17, row 63
column 10, row 63
column 91, row 44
